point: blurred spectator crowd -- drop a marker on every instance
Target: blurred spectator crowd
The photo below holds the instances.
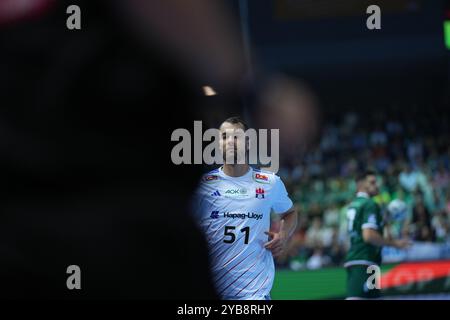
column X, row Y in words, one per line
column 409, row 149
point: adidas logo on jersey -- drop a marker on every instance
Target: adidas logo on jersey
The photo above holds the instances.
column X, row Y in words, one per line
column 216, row 193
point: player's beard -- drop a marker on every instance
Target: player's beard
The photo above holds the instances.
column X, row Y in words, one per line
column 233, row 158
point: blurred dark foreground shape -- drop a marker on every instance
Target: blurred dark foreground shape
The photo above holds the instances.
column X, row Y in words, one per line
column 85, row 120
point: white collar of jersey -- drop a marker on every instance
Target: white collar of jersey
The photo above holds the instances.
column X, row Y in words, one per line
column 248, row 173
column 362, row 194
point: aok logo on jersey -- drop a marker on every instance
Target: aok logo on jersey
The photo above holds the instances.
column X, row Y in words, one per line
column 236, row 193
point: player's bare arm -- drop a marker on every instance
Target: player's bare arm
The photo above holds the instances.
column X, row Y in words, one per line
column 373, row 237
column 277, row 244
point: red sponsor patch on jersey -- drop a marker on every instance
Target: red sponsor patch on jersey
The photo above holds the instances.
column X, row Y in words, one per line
column 261, row 177
column 210, row 177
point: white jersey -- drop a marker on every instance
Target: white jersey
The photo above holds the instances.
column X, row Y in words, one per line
column 234, row 213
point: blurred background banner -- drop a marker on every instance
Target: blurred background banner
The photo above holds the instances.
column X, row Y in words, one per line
column 417, row 252
column 405, row 280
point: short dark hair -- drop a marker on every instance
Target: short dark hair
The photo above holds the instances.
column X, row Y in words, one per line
column 363, row 174
column 237, row 120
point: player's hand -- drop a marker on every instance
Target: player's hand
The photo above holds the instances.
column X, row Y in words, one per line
column 402, row 243
column 278, row 241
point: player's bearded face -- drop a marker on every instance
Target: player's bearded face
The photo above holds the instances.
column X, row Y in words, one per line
column 372, row 185
column 233, row 143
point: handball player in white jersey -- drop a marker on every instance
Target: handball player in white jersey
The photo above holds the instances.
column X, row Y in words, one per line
column 233, row 206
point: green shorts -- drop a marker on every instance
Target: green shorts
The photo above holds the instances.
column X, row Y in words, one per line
column 357, row 283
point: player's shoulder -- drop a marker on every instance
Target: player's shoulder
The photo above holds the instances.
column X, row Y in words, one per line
column 212, row 176
column 370, row 204
column 264, row 176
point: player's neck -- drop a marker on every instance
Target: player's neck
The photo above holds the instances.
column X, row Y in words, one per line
column 235, row 170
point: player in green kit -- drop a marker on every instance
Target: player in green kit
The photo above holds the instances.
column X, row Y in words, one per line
column 365, row 227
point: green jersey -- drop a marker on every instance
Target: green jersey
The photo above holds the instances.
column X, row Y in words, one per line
column 363, row 213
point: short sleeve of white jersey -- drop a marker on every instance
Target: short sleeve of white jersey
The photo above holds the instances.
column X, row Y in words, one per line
column 281, row 200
